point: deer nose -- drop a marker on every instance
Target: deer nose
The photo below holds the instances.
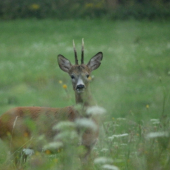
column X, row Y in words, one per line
column 80, row 87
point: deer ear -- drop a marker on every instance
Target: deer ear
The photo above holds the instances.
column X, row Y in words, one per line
column 64, row 63
column 95, row 61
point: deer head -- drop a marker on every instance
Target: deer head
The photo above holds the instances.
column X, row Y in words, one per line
column 80, row 73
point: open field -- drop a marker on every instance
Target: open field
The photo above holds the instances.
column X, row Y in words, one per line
column 132, row 82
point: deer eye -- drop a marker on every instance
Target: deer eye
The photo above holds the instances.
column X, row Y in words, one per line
column 87, row 75
column 72, row 77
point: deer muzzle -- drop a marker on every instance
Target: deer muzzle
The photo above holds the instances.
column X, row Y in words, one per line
column 80, row 85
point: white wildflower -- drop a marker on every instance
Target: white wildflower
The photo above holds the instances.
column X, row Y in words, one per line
column 118, row 136
column 110, row 167
column 111, row 137
column 66, row 135
column 104, row 150
column 155, row 121
column 28, row 151
column 102, row 160
column 95, row 110
column 121, row 135
column 86, row 123
column 53, row 145
column 157, row 134
column 64, row 125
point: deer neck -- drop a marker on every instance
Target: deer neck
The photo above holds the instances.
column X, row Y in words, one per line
column 84, row 98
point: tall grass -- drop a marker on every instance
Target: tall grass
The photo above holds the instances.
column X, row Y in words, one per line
column 132, row 84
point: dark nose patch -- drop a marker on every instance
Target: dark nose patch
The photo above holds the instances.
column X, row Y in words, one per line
column 80, row 86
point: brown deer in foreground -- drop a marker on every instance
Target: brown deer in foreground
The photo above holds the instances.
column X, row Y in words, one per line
column 14, row 124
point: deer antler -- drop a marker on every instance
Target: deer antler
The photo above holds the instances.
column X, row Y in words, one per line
column 75, row 53
column 82, row 52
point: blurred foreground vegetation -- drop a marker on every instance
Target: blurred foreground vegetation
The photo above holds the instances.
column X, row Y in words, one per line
column 132, row 84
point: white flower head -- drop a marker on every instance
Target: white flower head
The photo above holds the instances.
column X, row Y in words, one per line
column 95, row 110
column 110, row 167
column 86, row 123
column 53, row 146
column 64, row 125
column 28, row 151
column 102, row 160
column 118, row 136
column 155, row 121
column 66, row 135
column 104, row 150
column 111, row 138
column 157, row 134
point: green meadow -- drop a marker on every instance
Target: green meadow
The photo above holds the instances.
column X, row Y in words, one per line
column 132, row 84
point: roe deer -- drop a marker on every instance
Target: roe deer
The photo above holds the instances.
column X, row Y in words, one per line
column 14, row 124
